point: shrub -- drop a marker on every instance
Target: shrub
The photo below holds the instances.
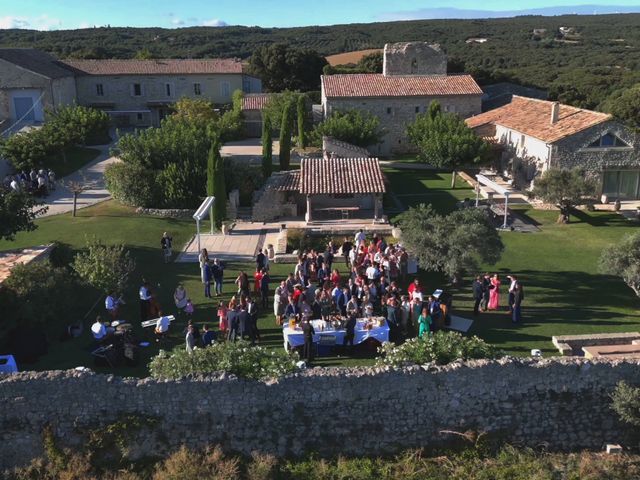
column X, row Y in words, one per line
column 623, row 259
column 353, row 126
column 105, row 267
column 441, row 348
column 36, row 295
column 238, row 358
column 88, row 126
column 132, row 184
column 210, row 465
column 244, row 177
column 626, row 403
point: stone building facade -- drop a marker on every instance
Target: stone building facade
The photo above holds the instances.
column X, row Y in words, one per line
column 537, row 135
column 31, row 82
column 562, row 403
column 414, row 76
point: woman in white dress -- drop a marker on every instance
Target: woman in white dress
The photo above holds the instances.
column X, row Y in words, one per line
column 203, row 259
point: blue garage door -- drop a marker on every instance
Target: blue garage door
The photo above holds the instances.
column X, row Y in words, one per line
column 24, row 109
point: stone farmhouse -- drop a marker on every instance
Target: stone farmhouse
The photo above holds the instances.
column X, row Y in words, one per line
column 414, row 75
column 252, row 105
column 31, row 82
column 133, row 92
column 537, row 135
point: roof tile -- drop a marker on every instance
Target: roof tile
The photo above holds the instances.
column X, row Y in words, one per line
column 378, row 85
column 533, row 117
column 255, row 101
column 156, row 67
column 341, row 176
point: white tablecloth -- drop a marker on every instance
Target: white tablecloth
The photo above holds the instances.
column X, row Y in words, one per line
column 295, row 338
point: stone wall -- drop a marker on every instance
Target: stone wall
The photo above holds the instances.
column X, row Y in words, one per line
column 166, row 212
column 563, row 403
column 414, row 58
column 395, row 113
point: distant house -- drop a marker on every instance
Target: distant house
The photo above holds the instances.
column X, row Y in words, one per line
column 141, row 92
column 414, row 75
column 476, row 40
column 537, row 135
column 32, row 82
column 252, row 105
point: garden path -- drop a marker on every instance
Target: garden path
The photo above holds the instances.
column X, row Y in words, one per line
column 61, row 199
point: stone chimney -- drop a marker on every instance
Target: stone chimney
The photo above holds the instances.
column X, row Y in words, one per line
column 555, row 112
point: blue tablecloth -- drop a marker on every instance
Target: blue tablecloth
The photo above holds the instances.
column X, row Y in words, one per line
column 295, row 338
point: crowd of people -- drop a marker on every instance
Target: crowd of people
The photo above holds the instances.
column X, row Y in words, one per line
column 39, row 182
column 373, row 285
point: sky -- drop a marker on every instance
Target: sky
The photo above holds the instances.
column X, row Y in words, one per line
column 72, row 14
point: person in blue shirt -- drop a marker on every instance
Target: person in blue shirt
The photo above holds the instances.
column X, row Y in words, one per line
column 208, row 336
column 292, row 310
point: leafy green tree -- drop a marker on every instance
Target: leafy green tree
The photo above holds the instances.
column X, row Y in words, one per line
column 36, row 295
column 626, row 403
column 444, row 140
column 219, row 186
column 267, row 148
column 104, row 267
column 625, row 105
column 283, row 67
column 276, row 104
column 301, row 116
column 211, row 178
column 565, row 188
column 285, row 137
column 144, row 54
column 352, row 126
column 371, row 63
column 623, row 260
column 18, row 210
column 199, row 111
column 454, row 244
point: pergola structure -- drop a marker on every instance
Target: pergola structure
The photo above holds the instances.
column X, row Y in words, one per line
column 342, row 184
column 487, row 182
column 202, row 213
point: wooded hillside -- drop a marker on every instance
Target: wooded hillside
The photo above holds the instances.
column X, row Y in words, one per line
column 601, row 54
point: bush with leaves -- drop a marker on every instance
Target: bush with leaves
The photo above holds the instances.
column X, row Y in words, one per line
column 133, row 184
column 623, row 260
column 238, row 358
column 67, row 126
column 267, row 147
column 36, row 295
column 352, row 126
column 18, row 210
column 105, row 267
column 274, row 107
column 286, row 127
column 440, row 348
column 626, row 403
column 453, row 244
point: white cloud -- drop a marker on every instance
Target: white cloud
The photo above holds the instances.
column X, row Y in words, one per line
column 215, row 22
column 42, row 22
column 178, row 22
column 85, row 25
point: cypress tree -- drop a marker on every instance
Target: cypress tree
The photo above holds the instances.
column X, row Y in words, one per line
column 267, row 148
column 211, row 175
column 219, row 187
column 285, row 136
column 302, row 134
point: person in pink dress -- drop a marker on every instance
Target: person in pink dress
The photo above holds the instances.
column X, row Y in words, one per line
column 222, row 318
column 494, row 294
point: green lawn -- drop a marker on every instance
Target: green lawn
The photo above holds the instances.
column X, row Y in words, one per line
column 565, row 294
column 76, row 158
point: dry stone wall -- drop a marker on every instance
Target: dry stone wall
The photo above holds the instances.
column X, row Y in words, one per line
column 563, row 403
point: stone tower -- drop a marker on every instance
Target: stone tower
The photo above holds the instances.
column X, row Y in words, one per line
column 414, row 58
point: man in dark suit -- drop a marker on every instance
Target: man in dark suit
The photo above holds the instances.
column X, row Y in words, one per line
column 351, row 332
column 486, row 291
column 478, row 294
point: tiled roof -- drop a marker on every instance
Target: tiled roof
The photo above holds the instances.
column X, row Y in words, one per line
column 341, row 176
column 378, row 85
column 35, row 61
column 255, row 101
column 533, row 117
column 156, row 67
column 287, row 181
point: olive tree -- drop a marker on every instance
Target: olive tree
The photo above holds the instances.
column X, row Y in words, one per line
column 623, row 260
column 566, row 188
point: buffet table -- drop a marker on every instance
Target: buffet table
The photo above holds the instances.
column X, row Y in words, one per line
column 294, row 337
